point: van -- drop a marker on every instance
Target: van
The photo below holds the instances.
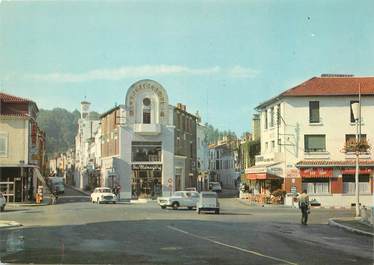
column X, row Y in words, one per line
column 208, row 201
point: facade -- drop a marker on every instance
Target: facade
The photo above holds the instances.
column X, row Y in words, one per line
column 202, row 155
column 185, row 148
column 87, row 129
column 148, row 147
column 62, row 165
column 303, row 134
column 224, row 162
column 22, row 149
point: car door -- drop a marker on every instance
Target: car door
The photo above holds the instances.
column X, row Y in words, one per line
column 195, row 196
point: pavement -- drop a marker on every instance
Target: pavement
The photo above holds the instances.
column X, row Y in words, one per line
column 76, row 231
column 9, row 224
column 353, row 225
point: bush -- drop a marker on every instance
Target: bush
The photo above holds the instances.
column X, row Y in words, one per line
column 279, row 193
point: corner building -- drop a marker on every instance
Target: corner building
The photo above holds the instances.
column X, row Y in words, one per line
column 148, row 164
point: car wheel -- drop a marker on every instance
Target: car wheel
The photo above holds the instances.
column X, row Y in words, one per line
column 114, row 202
column 163, row 207
column 2, row 209
column 175, row 205
column 217, row 211
column 198, row 211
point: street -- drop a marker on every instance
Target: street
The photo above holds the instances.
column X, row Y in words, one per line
column 77, row 231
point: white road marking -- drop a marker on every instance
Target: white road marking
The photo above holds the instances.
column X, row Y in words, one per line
column 232, row 247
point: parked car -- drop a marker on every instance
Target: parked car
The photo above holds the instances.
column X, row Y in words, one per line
column 179, row 199
column 208, row 201
column 2, row 202
column 191, row 189
column 103, row 195
column 215, row 186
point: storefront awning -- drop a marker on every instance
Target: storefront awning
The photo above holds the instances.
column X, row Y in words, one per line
column 316, row 172
column 261, row 176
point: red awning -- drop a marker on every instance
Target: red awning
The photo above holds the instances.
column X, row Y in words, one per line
column 352, row 171
column 260, row 176
column 316, row 172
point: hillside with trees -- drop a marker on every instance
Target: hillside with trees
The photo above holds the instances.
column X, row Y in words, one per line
column 213, row 134
column 60, row 127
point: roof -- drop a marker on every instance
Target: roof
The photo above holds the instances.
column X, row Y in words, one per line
column 13, row 99
column 109, row 111
column 328, row 85
column 331, row 163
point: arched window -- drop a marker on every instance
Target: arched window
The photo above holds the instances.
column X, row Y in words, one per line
column 146, row 111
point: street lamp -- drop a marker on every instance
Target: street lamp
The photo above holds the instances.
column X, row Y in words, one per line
column 356, row 110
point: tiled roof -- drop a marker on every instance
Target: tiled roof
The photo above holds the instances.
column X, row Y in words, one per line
column 9, row 98
column 333, row 86
column 331, row 163
column 328, row 86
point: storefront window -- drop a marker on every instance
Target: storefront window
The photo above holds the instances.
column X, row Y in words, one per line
column 316, row 185
column 146, row 152
column 349, row 184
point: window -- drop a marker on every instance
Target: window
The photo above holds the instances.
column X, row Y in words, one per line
column 146, row 111
column 315, row 143
column 314, row 112
column 351, row 111
column 272, row 117
column 272, row 145
column 266, row 146
column 349, row 184
column 316, row 185
column 278, row 114
column 350, row 140
column 3, row 144
column 146, row 151
column 266, row 119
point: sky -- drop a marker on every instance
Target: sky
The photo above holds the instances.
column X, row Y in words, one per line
column 221, row 58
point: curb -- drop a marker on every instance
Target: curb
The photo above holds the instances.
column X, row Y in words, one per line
column 249, row 204
column 9, row 224
column 332, row 222
column 17, row 205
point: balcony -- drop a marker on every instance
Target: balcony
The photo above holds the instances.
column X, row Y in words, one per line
column 147, row 129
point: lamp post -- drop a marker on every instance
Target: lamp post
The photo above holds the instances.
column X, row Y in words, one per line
column 356, row 109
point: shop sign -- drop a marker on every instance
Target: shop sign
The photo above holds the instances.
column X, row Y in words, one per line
column 352, row 171
column 146, row 167
column 316, row 172
column 292, row 173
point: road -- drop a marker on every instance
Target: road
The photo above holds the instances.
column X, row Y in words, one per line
column 77, row 231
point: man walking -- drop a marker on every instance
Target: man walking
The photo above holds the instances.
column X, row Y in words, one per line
column 304, row 207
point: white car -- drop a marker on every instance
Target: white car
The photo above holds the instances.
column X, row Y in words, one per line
column 103, row 195
column 2, row 202
column 208, row 201
column 215, row 186
column 186, row 199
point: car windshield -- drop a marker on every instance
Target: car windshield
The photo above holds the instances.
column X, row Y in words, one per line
column 185, row 132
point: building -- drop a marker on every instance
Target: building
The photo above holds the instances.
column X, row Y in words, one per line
column 22, row 149
column 202, row 152
column 185, row 148
column 148, row 147
column 224, row 162
column 62, row 165
column 303, row 134
column 87, row 129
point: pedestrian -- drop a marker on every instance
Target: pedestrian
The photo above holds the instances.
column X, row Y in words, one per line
column 304, row 207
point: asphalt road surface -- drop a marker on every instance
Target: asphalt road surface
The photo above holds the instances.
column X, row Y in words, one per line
column 75, row 231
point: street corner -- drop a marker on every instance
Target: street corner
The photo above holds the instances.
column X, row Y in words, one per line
column 9, row 224
column 352, row 225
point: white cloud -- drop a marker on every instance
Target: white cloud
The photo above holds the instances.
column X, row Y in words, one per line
column 242, row 72
column 143, row 71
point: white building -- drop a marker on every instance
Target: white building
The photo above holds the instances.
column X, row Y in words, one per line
column 87, row 130
column 303, row 134
column 224, row 162
column 139, row 140
column 202, row 155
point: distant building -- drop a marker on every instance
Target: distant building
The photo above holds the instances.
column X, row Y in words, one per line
column 256, row 127
column 224, row 163
column 202, row 152
column 303, row 134
column 22, row 149
column 87, row 129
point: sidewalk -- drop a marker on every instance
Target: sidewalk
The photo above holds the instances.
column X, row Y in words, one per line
column 353, row 225
column 46, row 201
column 253, row 204
column 9, row 224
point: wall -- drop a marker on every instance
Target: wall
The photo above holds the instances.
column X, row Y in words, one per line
column 17, row 130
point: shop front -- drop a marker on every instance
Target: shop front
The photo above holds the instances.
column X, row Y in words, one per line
column 333, row 183
column 146, row 181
